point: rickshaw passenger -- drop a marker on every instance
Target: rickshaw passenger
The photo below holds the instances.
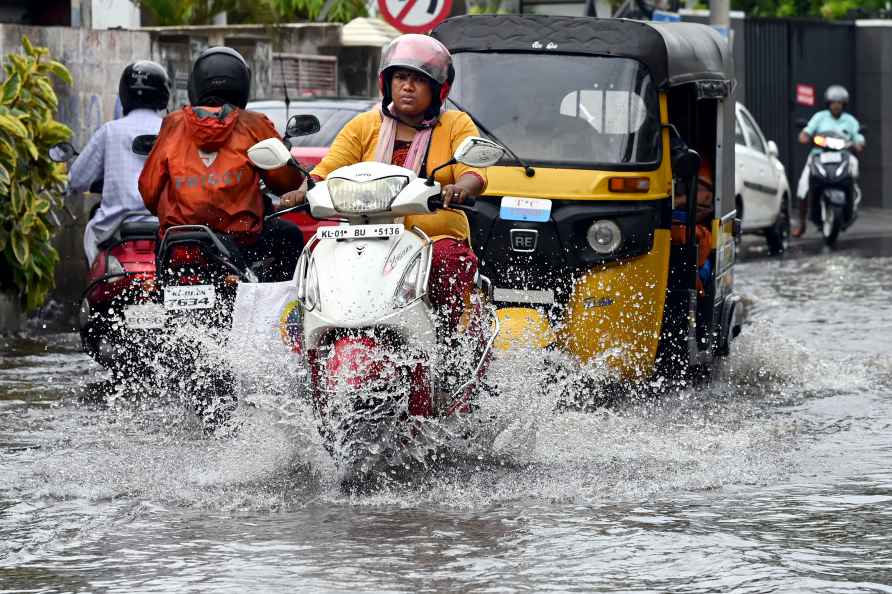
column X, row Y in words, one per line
column 704, row 214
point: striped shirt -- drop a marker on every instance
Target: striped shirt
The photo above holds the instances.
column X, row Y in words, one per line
column 108, row 156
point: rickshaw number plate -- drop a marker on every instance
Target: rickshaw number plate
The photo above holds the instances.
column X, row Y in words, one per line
column 544, row 297
column 189, row 297
column 144, row 316
column 360, row 231
column 537, row 210
column 831, row 157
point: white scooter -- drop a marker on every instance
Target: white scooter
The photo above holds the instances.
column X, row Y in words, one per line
column 379, row 363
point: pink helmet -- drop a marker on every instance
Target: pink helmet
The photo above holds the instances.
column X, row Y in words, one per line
column 420, row 53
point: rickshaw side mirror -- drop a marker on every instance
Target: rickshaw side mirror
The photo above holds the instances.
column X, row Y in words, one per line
column 685, row 163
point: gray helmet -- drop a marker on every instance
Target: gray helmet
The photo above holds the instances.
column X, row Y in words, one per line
column 836, row 93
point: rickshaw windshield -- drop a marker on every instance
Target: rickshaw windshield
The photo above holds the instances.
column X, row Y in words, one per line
column 563, row 110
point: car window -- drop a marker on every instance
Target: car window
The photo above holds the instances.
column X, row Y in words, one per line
column 752, row 133
column 738, row 132
column 331, row 121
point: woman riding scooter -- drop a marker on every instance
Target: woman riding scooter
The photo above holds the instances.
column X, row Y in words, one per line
column 411, row 130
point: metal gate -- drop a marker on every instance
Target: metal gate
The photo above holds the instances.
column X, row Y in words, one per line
column 305, row 75
column 781, row 54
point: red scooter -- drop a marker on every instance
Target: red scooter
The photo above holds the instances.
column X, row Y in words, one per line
column 118, row 315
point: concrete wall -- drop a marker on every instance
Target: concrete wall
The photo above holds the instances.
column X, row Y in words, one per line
column 872, row 96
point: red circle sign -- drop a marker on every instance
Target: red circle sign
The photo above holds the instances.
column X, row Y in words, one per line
column 415, row 16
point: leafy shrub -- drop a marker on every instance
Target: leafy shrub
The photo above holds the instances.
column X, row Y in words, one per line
column 30, row 183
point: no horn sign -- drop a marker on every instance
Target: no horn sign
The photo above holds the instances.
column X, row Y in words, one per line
column 415, row 16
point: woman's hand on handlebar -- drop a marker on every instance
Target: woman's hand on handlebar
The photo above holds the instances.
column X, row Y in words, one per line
column 292, row 198
column 454, row 194
column 466, row 188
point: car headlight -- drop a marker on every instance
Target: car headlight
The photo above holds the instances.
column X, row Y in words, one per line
column 604, row 237
column 350, row 196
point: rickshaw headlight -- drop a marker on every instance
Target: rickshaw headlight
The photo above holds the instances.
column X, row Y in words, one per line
column 604, row 237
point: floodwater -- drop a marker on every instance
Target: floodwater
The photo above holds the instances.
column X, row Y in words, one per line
column 777, row 477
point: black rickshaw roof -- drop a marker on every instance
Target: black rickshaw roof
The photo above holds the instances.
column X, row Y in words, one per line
column 674, row 53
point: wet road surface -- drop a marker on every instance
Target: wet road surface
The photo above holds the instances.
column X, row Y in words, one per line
column 775, row 478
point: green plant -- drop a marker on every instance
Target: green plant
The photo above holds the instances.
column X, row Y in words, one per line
column 289, row 11
column 170, row 13
column 30, row 183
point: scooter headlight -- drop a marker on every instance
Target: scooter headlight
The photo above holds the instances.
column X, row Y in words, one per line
column 604, row 237
column 355, row 197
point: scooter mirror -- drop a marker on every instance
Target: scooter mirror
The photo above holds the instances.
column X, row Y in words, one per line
column 142, row 145
column 475, row 151
column 62, row 152
column 302, row 125
column 269, row 154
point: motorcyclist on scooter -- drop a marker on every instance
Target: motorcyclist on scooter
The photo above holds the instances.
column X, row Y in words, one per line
column 144, row 91
column 199, row 173
column 410, row 129
column 832, row 119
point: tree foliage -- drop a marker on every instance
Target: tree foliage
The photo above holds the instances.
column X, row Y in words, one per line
column 826, row 9
column 30, row 184
column 201, row 12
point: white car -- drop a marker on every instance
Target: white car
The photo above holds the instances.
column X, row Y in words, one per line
column 762, row 191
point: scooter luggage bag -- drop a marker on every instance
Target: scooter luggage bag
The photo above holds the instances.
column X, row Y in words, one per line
column 264, row 317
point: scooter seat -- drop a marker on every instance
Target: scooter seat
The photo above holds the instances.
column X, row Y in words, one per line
column 138, row 229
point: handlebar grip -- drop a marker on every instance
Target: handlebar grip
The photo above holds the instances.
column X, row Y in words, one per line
column 435, row 203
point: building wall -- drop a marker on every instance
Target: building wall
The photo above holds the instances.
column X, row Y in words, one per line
column 106, row 14
column 872, row 96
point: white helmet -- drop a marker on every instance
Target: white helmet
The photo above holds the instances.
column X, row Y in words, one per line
column 836, row 93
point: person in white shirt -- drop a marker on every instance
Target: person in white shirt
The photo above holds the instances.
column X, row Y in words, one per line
column 144, row 92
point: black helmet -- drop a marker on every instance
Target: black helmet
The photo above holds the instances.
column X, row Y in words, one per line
column 144, row 84
column 220, row 75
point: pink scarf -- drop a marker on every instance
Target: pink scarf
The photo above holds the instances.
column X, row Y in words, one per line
column 387, row 138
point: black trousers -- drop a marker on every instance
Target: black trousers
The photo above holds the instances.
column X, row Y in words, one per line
column 280, row 245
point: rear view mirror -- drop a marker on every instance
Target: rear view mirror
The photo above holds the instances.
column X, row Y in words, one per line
column 270, row 154
column 302, row 125
column 685, row 163
column 475, row 151
column 143, row 144
column 772, row 148
column 801, row 122
column 62, row 152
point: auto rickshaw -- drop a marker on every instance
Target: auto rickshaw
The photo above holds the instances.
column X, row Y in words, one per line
column 586, row 229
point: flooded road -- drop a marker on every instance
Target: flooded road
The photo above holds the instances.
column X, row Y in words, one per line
column 775, row 478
